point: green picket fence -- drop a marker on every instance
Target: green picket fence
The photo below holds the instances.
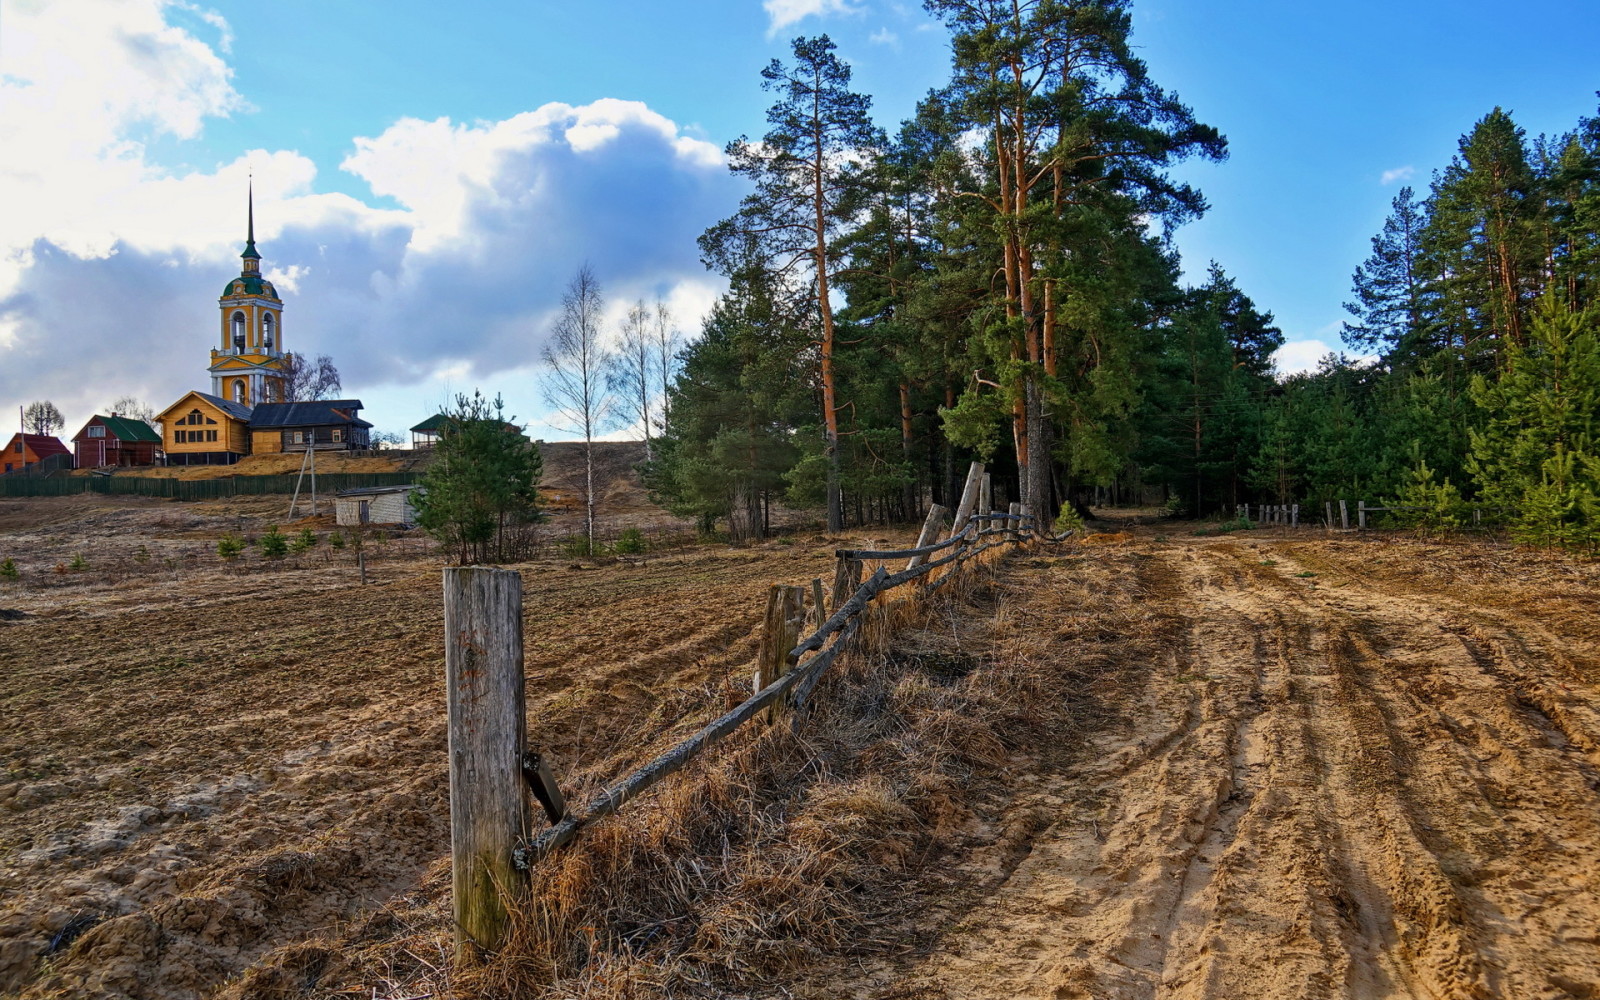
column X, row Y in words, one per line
column 196, row 489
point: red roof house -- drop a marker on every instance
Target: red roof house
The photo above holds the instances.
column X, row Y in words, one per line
column 25, row 449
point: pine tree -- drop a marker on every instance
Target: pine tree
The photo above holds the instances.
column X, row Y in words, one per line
column 741, row 393
column 482, row 485
column 1482, row 241
column 1388, row 287
column 809, row 173
column 1076, row 141
column 1535, row 456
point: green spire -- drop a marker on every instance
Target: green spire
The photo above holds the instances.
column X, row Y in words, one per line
column 250, row 239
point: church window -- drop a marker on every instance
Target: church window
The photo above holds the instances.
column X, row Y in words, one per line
column 266, row 331
column 238, row 331
column 238, row 390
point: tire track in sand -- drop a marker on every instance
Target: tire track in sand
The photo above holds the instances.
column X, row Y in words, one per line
column 1315, row 792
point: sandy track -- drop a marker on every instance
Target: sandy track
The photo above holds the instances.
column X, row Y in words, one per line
column 1329, row 781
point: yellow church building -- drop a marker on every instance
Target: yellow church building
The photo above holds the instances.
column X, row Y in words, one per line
column 249, row 368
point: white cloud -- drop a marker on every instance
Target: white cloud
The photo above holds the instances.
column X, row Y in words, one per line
column 1300, row 356
column 1398, row 174
column 782, row 13
column 883, row 36
column 110, row 265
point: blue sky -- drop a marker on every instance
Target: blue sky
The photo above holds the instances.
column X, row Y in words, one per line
column 428, row 176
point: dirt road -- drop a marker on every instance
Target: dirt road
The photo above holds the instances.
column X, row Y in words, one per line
column 1350, row 769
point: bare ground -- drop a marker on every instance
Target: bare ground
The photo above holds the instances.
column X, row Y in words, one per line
column 1297, row 765
column 1359, row 768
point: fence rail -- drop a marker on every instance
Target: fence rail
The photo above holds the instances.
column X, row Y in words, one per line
column 790, row 689
column 194, row 489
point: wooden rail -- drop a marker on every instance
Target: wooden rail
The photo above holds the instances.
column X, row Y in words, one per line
column 490, row 759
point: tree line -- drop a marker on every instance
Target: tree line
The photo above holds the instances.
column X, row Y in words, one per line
column 997, row 279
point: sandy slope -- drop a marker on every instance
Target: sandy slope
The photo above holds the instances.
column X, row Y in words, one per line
column 1333, row 781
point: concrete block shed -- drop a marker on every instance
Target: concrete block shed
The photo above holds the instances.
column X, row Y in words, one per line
column 375, row 505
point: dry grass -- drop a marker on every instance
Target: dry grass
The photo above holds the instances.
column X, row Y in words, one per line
column 782, row 847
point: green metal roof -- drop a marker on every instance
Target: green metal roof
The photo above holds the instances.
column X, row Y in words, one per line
column 437, row 422
column 129, row 429
column 252, row 284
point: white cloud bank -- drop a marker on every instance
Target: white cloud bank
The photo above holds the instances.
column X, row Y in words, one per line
column 110, row 265
column 1398, row 174
column 782, row 13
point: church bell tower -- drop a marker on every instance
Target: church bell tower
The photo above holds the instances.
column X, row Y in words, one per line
column 249, row 369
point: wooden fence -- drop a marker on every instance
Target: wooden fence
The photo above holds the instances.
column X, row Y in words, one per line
column 194, row 489
column 490, row 765
column 1288, row 515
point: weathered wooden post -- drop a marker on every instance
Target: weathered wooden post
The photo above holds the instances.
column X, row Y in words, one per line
column 985, row 503
column 846, row 580
column 1361, row 514
column 780, row 633
column 818, row 605
column 1014, row 526
column 930, row 531
column 1344, row 515
column 969, row 498
column 1294, row 516
column 1327, row 507
column 488, row 740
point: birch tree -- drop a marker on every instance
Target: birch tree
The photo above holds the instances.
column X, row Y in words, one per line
column 575, row 379
column 632, row 368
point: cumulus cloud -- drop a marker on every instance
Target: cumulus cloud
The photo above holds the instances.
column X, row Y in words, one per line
column 1398, row 174
column 883, row 36
column 1297, row 356
column 110, row 265
column 782, row 13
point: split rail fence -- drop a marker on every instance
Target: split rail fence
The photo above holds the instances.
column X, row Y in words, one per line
column 492, row 769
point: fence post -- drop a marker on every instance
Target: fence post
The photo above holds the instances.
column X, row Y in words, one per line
column 930, row 530
column 780, row 633
column 1327, row 508
column 1014, row 526
column 969, row 498
column 1294, row 516
column 846, row 580
column 1361, row 514
column 487, row 739
column 985, row 503
column 1344, row 515
column 818, row 604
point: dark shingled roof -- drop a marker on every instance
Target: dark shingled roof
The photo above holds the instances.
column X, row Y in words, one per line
column 238, row 411
column 311, row 413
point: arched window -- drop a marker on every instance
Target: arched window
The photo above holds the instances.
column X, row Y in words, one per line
column 238, row 331
column 266, row 331
column 238, row 390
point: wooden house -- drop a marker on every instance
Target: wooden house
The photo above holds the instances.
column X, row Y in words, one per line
column 116, row 440
column 426, row 434
column 24, row 450
column 202, row 429
column 375, row 505
column 319, row 425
